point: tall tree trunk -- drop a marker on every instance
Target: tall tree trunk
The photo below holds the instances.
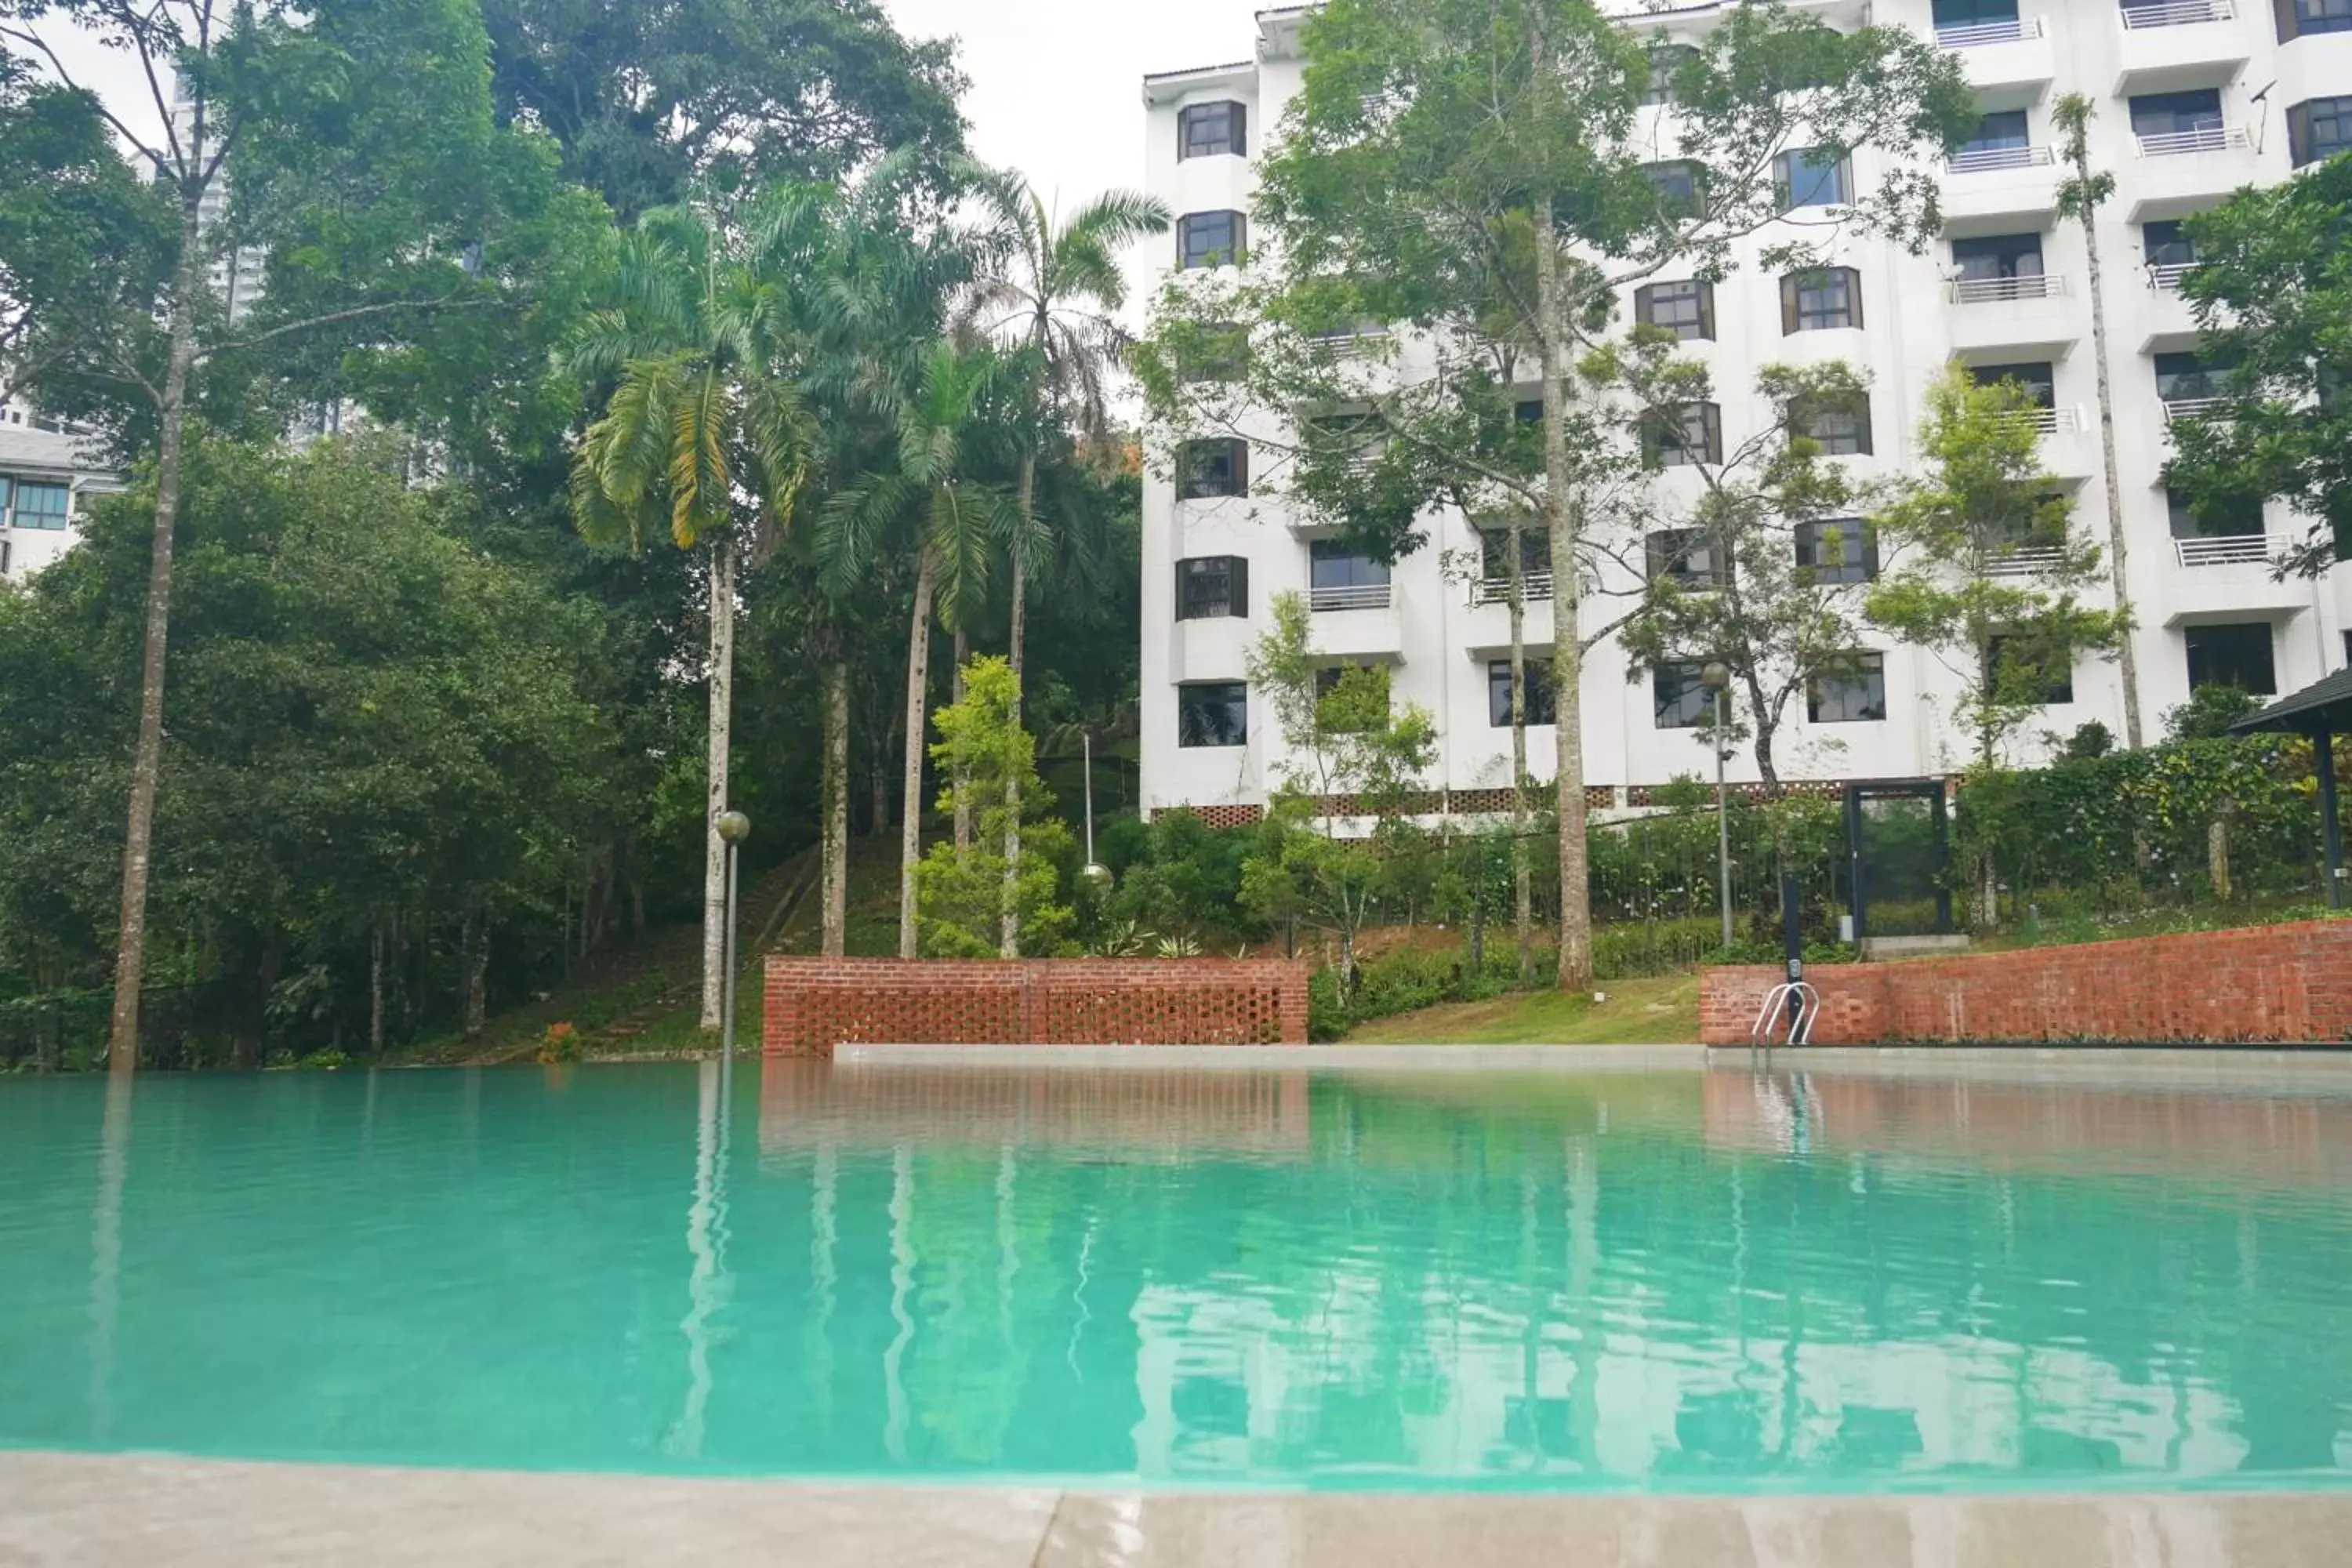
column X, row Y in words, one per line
column 476, row 961
column 1523, row 923
column 1009, row 937
column 147, row 755
column 963, row 795
column 1767, row 767
column 910, row 829
column 1575, row 969
column 722, row 713
column 834, row 828
column 2118, row 546
column 375, row 988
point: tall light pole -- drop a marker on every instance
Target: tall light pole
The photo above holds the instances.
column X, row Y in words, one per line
column 734, row 828
column 1716, row 677
column 1094, row 872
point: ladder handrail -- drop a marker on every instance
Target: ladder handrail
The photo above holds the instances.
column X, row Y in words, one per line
column 1807, row 1011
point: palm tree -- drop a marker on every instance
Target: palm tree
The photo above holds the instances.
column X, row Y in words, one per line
column 1053, row 288
column 931, row 505
column 704, row 431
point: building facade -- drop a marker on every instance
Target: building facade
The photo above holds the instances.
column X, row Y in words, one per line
column 2196, row 99
column 47, row 476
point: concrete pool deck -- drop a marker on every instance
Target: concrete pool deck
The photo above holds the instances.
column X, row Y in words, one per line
column 67, row 1511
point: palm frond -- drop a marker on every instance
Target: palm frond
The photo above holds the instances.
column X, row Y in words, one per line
column 699, row 483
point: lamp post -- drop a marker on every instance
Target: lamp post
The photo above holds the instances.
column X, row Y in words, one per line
column 1094, row 873
column 732, row 827
column 1716, row 677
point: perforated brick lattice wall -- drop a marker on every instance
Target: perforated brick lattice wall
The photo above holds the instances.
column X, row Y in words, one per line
column 2283, row 983
column 1217, row 815
column 816, row 1004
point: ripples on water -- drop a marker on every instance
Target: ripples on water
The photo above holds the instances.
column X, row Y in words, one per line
column 1609, row 1280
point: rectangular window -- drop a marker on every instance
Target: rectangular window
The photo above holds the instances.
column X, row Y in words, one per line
column 2001, row 256
column 1837, row 549
column 1685, row 308
column 1679, row 700
column 1684, row 555
column 1209, row 240
column 2039, row 381
column 1339, row 578
column 1811, row 177
column 2301, row 18
column 1821, row 299
column 2166, row 243
column 40, row 505
column 2018, row 677
column 1680, row 185
column 1696, row 437
column 1495, row 551
column 2176, row 113
column 2182, row 377
column 1211, row 587
column 2318, row 128
column 1854, row 695
column 1841, row 427
column 2235, row 655
column 2005, row 132
column 1972, row 13
column 2235, row 517
column 1206, row 470
column 1541, row 709
column 1212, row 713
column 1211, row 131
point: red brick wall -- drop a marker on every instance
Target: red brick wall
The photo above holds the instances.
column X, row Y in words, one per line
column 2272, row 983
column 816, row 1004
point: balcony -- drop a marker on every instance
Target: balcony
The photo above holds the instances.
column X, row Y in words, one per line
column 1535, row 587
column 2180, row 44
column 1999, row 190
column 1362, row 621
column 2239, row 549
column 2001, row 56
column 2025, row 562
column 1358, row 596
column 2054, row 421
column 2182, row 171
column 1994, row 316
column 2165, row 277
column 2177, row 409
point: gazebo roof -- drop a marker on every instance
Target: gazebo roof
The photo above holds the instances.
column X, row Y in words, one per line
column 2324, row 704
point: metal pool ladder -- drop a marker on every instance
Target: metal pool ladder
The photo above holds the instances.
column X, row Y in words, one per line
column 1792, row 999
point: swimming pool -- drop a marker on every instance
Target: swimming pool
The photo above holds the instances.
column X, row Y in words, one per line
column 1653, row 1280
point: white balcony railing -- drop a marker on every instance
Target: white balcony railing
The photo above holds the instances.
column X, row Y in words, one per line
column 2204, row 138
column 2165, row 277
column 2177, row 409
column 2177, row 14
column 1361, row 597
column 2025, row 562
column 1535, row 587
column 2236, row 549
column 2002, row 290
column 1985, row 160
column 2053, row 421
column 1357, row 344
column 1977, row 34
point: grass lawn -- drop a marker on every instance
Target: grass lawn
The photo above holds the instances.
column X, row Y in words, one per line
column 1636, row 1012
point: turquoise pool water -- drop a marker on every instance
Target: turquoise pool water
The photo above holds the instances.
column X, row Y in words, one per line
column 1629, row 1280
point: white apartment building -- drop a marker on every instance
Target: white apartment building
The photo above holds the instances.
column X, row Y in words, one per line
column 46, row 476
column 2196, row 99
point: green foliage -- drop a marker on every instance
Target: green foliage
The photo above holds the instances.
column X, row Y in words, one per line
column 1176, row 875
column 373, row 729
column 961, row 892
column 1989, row 561
column 2272, row 296
column 2209, row 714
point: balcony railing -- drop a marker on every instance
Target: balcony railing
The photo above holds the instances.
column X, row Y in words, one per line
column 2235, row 550
column 2165, row 277
column 1361, row 597
column 2204, row 138
column 2026, row 563
column 2177, row 14
column 2177, row 409
column 2053, row 421
column 1349, row 345
column 2002, row 290
column 1976, row 35
column 1985, row 160
column 1535, row 587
